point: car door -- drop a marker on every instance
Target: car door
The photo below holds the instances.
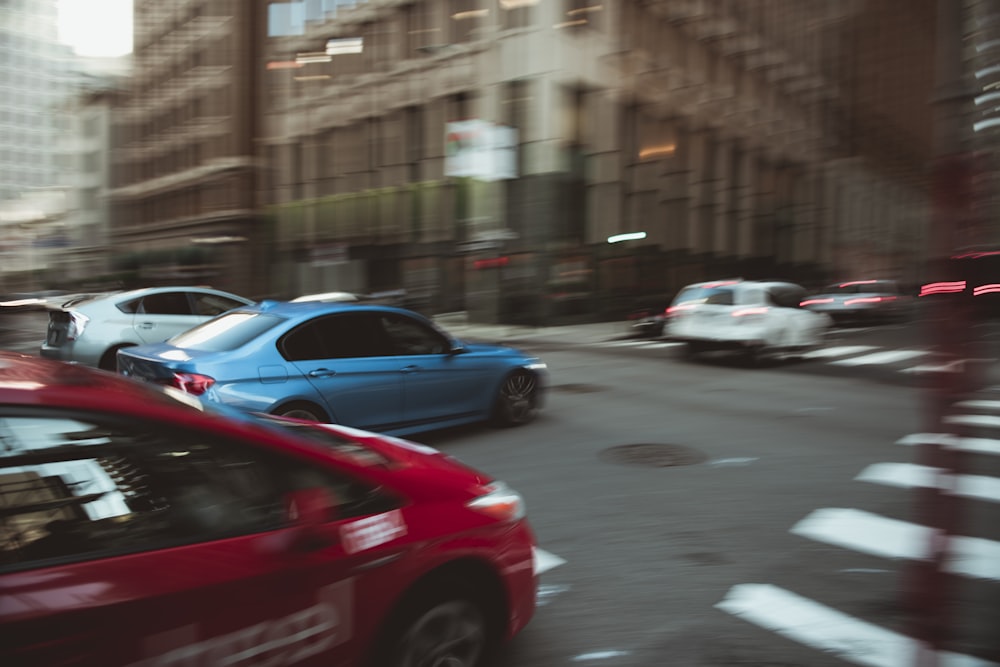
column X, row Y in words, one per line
column 437, row 383
column 164, row 314
column 798, row 326
column 148, row 545
column 347, row 360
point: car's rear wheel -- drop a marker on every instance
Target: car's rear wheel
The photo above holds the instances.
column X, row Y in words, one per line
column 449, row 632
column 109, row 360
column 517, row 400
column 304, row 411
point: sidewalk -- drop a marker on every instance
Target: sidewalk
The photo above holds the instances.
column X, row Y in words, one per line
column 458, row 325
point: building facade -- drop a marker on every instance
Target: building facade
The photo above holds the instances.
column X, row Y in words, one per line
column 184, row 172
column 761, row 138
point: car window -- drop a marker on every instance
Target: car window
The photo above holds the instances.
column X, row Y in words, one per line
column 722, row 296
column 408, row 336
column 786, row 296
column 165, row 303
column 78, row 489
column 340, row 336
column 226, row 332
column 212, row 304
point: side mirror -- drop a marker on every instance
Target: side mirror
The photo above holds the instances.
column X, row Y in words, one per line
column 309, row 511
column 457, row 347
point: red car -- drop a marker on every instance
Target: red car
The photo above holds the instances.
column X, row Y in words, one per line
column 139, row 528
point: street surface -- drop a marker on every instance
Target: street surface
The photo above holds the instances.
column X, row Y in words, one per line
column 783, row 535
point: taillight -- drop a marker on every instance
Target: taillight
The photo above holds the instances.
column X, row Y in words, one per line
column 810, row 302
column 500, row 502
column 676, row 310
column 192, row 383
column 77, row 323
column 867, row 299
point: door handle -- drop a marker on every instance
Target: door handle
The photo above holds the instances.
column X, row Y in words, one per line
column 146, row 325
column 377, row 562
column 413, row 368
column 322, row 373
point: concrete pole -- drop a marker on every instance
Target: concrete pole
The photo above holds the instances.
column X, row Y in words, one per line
column 928, row 590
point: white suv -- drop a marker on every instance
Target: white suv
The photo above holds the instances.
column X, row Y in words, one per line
column 754, row 317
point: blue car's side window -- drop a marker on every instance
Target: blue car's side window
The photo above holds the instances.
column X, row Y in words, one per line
column 407, row 336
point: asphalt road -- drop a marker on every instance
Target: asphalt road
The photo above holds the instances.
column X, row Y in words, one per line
column 682, row 564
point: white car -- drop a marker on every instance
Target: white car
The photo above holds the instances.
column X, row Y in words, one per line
column 90, row 329
column 756, row 318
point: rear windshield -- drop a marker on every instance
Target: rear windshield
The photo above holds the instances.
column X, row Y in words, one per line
column 722, row 296
column 861, row 287
column 226, row 332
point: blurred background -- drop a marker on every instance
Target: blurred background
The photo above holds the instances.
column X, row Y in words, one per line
column 521, row 161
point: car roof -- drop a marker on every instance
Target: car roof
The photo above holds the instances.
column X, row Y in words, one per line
column 740, row 283
column 294, row 309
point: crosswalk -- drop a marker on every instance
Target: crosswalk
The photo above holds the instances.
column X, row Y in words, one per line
column 974, row 558
column 912, row 362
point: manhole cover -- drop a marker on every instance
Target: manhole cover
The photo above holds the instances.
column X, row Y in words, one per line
column 657, row 456
column 578, row 388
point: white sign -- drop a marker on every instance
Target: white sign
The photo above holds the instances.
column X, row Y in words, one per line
column 480, row 149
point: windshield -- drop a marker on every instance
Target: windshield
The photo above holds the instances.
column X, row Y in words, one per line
column 226, row 332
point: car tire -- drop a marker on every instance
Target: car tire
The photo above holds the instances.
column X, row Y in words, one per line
column 516, row 401
column 109, row 360
column 304, row 411
column 448, row 628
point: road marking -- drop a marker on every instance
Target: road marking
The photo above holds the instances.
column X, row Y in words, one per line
column 736, row 461
column 911, row 475
column 951, row 441
column 950, row 367
column 545, row 561
column 979, row 405
column 823, row 628
column 891, row 538
column 986, row 421
column 547, row 592
column 599, row 655
column 886, row 357
column 841, row 351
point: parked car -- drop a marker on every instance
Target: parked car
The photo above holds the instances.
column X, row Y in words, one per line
column 164, row 531
column 91, row 329
column 371, row 366
column 861, row 301
column 755, row 318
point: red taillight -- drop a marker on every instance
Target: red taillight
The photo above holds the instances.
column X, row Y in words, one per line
column 192, row 383
column 810, row 302
column 673, row 310
column 867, row 299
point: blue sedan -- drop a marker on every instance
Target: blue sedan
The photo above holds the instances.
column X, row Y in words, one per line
column 369, row 366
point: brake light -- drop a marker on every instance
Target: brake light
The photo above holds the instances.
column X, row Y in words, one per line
column 810, row 302
column 500, row 502
column 673, row 310
column 743, row 312
column 192, row 383
column 943, row 288
column 77, row 323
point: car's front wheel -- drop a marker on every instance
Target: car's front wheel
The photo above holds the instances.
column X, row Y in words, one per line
column 517, row 400
column 447, row 633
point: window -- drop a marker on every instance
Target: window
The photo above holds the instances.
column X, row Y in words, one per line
column 466, row 17
column 166, row 303
column 341, row 336
column 213, row 304
column 408, row 336
column 516, row 13
column 77, row 488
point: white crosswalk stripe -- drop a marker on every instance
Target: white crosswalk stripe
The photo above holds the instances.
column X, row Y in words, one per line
column 885, row 357
column 952, row 441
column 911, row 475
column 839, row 351
column 831, row 631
